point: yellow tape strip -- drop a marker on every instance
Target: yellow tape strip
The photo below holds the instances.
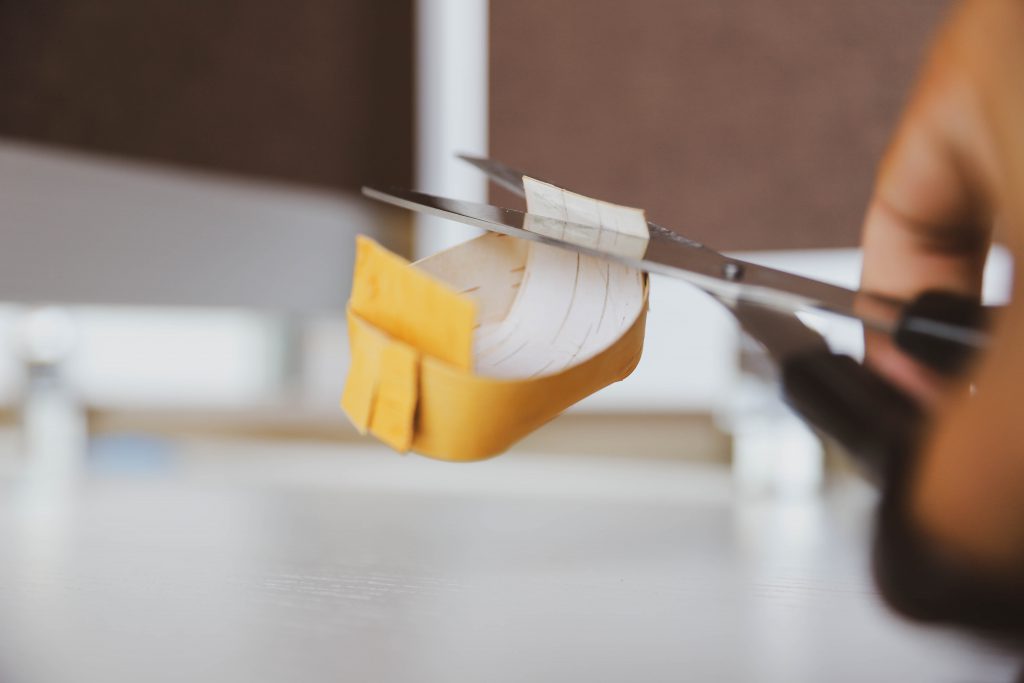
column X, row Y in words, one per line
column 460, row 416
column 394, row 407
column 411, row 382
column 412, row 306
column 367, row 346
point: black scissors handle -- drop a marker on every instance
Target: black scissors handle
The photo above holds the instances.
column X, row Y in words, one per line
column 873, row 420
column 882, row 429
column 944, row 330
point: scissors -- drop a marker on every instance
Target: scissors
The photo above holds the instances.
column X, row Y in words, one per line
column 879, row 425
column 873, row 420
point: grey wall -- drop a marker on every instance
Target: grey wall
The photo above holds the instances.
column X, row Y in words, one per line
column 86, row 229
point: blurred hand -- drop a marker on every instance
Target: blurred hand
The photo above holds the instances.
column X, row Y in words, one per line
column 955, row 169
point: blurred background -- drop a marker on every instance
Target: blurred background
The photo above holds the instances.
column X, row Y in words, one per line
column 179, row 196
column 183, row 180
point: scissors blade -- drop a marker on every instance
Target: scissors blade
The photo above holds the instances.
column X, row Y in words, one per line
column 664, row 253
column 879, row 312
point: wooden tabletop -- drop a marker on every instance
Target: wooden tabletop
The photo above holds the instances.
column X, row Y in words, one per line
column 268, row 561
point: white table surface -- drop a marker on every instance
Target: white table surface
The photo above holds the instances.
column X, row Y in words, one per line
column 252, row 561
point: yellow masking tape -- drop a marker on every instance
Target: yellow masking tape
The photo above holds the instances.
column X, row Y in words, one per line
column 394, row 406
column 553, row 327
column 461, row 416
column 367, row 346
column 411, row 306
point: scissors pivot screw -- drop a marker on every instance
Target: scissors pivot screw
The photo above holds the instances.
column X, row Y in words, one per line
column 732, row 271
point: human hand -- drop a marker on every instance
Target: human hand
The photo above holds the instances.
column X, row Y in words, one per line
column 955, row 169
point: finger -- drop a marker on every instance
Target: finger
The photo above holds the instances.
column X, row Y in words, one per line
column 923, row 384
column 968, row 495
column 925, row 229
column 928, row 225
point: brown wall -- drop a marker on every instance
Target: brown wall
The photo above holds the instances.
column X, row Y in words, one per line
column 743, row 123
column 311, row 91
